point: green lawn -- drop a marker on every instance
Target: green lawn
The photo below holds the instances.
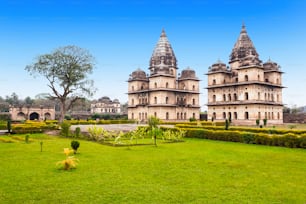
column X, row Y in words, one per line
column 195, row 171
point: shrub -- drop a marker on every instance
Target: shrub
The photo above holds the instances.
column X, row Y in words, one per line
column 26, row 138
column 257, row 122
column 65, row 129
column 226, row 124
column 97, row 133
column 265, row 120
column 77, row 132
column 248, row 138
column 192, row 119
column 75, row 145
column 69, row 163
column 9, row 126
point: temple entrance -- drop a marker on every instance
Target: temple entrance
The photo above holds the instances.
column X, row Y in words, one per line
column 34, row 116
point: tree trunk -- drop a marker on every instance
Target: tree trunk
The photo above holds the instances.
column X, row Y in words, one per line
column 63, row 111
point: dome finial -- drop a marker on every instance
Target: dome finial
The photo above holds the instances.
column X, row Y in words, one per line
column 243, row 30
column 163, row 34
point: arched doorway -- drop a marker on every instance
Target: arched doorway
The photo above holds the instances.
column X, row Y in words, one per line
column 34, row 116
column 21, row 116
column 47, row 116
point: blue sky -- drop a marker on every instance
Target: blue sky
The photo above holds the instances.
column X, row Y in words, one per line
column 121, row 35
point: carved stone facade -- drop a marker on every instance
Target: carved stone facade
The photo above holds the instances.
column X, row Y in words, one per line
column 247, row 89
column 162, row 93
column 106, row 106
column 32, row 113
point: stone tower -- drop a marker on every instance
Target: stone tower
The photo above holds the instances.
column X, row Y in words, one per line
column 247, row 89
column 162, row 93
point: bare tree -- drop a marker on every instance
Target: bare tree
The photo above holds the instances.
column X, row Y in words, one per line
column 66, row 70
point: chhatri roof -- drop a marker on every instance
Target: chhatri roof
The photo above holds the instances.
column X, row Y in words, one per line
column 163, row 56
column 244, row 49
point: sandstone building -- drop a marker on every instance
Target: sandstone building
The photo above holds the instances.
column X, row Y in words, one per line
column 105, row 105
column 247, row 89
column 163, row 93
column 32, row 113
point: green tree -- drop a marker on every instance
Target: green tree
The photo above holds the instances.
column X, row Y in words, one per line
column 153, row 123
column 67, row 70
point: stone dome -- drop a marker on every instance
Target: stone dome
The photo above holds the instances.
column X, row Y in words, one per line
column 270, row 65
column 138, row 75
column 188, row 73
column 218, row 66
column 105, row 99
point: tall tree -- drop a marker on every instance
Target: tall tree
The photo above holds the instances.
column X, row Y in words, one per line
column 66, row 70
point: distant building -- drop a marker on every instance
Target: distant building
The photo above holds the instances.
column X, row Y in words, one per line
column 106, row 106
column 247, row 89
column 162, row 93
column 32, row 113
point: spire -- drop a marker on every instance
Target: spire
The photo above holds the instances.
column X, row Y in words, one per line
column 244, row 51
column 163, row 57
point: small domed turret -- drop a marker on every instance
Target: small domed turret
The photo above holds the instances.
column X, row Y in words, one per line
column 188, row 74
column 218, row 66
column 270, row 65
column 138, row 75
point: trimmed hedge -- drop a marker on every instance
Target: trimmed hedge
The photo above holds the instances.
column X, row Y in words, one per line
column 195, row 123
column 246, row 129
column 286, row 140
column 101, row 122
column 32, row 127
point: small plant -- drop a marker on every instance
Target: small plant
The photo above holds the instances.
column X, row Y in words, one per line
column 291, row 127
column 192, row 119
column 97, row 133
column 75, row 145
column 41, row 146
column 257, row 122
column 9, row 126
column 65, row 129
column 226, row 124
column 77, row 132
column 153, row 124
column 26, row 138
column 70, row 162
column 265, row 120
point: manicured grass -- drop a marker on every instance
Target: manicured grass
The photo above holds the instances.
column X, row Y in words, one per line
column 195, row 171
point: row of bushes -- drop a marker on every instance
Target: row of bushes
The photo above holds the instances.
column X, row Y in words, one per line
column 246, row 129
column 100, row 122
column 286, row 140
column 32, row 127
column 201, row 123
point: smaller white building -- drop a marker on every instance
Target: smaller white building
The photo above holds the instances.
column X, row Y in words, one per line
column 105, row 105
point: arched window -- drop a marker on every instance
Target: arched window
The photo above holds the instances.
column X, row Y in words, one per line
column 224, row 97
column 167, row 84
column 155, row 85
column 246, row 115
column 181, row 116
column 193, row 115
column 235, row 97
column 132, row 88
column 224, row 115
column 178, row 116
column 277, row 98
column 167, row 116
column 193, row 87
column 278, row 116
column 139, row 117
column 277, row 81
column 229, row 97
column 167, row 100
column 258, row 95
column 146, row 115
column 258, row 77
column 132, row 116
column 229, row 115
column 155, row 100
column 246, row 78
column 193, row 101
column 235, row 115
column 246, row 96
column 214, row 82
column 132, row 102
column 214, row 116
column 259, row 115
column 155, row 115
column 214, row 98
column 185, row 116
